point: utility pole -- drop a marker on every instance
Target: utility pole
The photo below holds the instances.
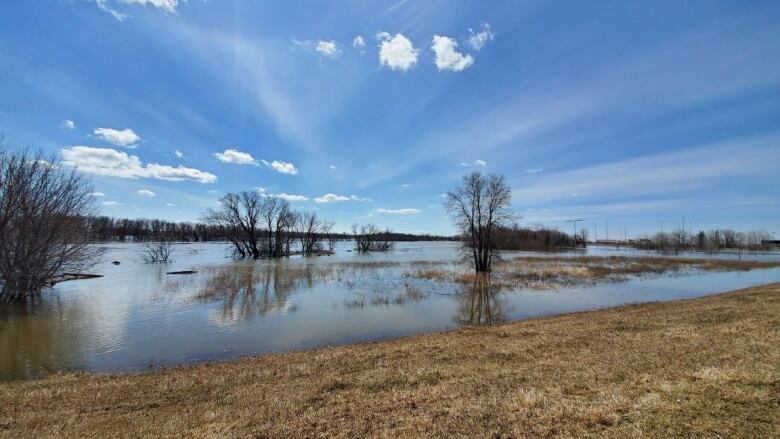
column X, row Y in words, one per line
column 575, row 221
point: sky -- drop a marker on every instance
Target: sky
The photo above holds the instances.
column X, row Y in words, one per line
column 627, row 115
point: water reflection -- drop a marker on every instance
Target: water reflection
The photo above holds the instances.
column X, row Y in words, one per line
column 38, row 338
column 480, row 303
column 137, row 312
column 246, row 290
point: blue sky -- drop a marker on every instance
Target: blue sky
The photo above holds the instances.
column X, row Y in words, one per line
column 632, row 112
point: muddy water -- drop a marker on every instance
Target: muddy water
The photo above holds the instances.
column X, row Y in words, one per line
column 137, row 316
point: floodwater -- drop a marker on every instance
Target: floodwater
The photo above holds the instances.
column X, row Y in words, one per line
column 137, row 316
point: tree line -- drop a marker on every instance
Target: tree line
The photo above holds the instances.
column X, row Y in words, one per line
column 711, row 241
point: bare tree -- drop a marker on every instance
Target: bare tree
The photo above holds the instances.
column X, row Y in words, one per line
column 480, row 206
column 238, row 217
column 255, row 225
column 327, row 232
column 368, row 238
column 307, row 227
column 43, row 215
column 158, row 252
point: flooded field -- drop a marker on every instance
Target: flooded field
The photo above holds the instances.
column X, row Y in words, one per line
column 137, row 316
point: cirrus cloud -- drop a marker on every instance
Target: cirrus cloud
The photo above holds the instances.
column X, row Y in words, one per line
column 477, row 40
column 406, row 211
column 113, row 163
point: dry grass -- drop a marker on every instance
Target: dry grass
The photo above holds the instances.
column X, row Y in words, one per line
column 545, row 273
column 708, row 367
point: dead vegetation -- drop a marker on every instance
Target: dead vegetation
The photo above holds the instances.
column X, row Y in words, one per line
column 544, row 273
column 699, row 368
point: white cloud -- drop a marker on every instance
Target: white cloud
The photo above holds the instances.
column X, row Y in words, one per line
column 479, row 163
column 109, row 203
column 260, row 189
column 98, row 194
column 146, row 193
column 407, row 211
column 126, row 137
column 405, row 185
column 534, row 170
column 288, row 197
column 165, row 5
column 281, row 167
column 68, row 124
column 479, row 39
column 169, row 204
column 327, row 48
column 178, row 153
column 118, row 15
column 447, row 58
column 113, row 163
column 235, row 156
column 333, row 198
column 332, row 167
column 358, row 42
column 396, row 52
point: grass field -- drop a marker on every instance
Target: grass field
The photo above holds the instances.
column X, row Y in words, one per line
column 708, row 367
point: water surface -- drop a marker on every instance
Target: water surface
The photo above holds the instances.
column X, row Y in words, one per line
column 137, row 316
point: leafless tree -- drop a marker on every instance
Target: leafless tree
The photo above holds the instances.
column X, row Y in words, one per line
column 158, row 251
column 256, row 225
column 43, row 235
column 307, row 227
column 327, row 232
column 479, row 207
column 368, row 238
column 238, row 217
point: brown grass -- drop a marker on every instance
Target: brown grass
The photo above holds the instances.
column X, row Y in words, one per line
column 544, row 273
column 707, row 367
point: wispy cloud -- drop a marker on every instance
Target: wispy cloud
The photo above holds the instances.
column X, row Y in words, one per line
column 327, row 48
column 664, row 173
column 333, row 198
column 405, row 211
column 146, row 193
column 281, row 167
column 477, row 40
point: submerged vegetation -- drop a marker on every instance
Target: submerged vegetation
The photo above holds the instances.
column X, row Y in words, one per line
column 543, row 272
column 697, row 368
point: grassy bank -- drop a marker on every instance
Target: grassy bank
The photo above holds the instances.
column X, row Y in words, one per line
column 708, row 367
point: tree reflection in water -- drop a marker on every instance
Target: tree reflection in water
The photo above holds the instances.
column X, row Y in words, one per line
column 480, row 303
column 40, row 336
column 249, row 289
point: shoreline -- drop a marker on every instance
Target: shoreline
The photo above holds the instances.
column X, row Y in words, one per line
column 520, row 374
